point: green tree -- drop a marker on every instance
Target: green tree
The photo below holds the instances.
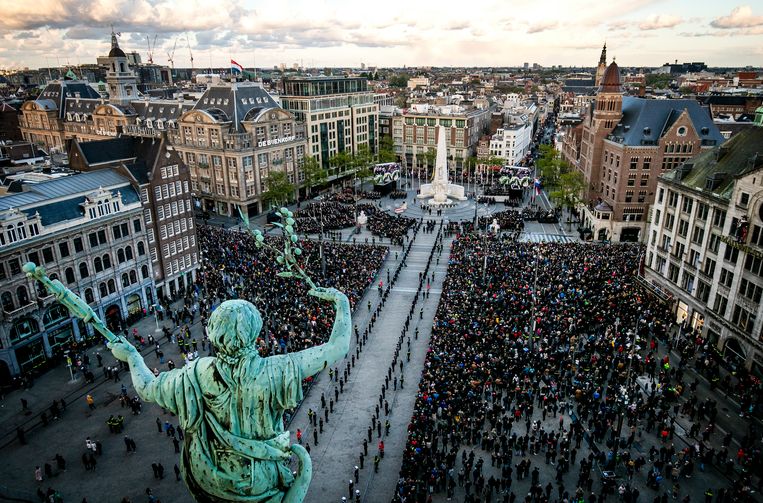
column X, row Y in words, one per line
column 339, row 162
column 551, row 166
column 386, row 150
column 315, row 175
column 658, row 80
column 570, row 191
column 400, row 80
column 280, row 189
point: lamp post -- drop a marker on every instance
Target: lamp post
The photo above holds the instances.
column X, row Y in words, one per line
column 157, row 307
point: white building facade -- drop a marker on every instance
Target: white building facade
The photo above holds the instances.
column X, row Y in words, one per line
column 705, row 246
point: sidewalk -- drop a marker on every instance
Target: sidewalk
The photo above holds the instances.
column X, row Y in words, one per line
column 56, row 384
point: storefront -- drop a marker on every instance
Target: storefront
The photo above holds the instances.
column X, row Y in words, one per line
column 113, row 317
column 733, row 353
column 682, row 311
column 60, row 339
column 134, row 305
column 31, row 355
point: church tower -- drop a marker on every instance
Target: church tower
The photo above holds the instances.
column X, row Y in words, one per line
column 608, row 109
column 602, row 65
column 121, row 81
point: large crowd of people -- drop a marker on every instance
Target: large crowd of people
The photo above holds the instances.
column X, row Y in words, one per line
column 505, row 354
column 235, row 268
column 395, row 228
column 330, row 215
column 508, row 220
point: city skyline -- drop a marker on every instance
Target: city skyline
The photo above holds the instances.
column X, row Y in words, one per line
column 53, row 33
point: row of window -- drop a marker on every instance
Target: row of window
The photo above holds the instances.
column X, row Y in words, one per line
column 431, row 122
column 12, row 233
column 180, row 264
column 171, row 189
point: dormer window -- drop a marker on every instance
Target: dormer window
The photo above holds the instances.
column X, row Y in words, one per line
column 160, row 124
column 18, row 226
column 68, row 116
column 149, row 123
column 102, row 203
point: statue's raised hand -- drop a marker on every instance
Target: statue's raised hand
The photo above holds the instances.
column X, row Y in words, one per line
column 122, row 350
column 331, row 294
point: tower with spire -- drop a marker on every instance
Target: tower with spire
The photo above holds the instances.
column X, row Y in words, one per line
column 121, row 80
column 602, row 65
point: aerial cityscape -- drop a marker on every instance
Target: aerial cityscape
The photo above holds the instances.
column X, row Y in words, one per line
column 411, row 252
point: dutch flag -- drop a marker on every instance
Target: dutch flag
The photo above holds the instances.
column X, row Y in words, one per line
column 235, row 67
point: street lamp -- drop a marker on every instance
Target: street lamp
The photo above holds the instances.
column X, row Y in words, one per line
column 157, row 308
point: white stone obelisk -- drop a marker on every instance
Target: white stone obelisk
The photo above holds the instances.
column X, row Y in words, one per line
column 440, row 189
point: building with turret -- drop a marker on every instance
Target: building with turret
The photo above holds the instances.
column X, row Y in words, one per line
column 230, row 139
column 705, row 246
column 624, row 144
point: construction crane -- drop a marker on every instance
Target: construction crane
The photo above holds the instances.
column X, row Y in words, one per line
column 188, row 39
column 151, row 48
column 171, row 55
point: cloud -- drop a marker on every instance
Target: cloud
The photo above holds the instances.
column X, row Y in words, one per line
column 619, row 25
column 542, row 26
column 659, row 21
column 740, row 17
column 457, row 25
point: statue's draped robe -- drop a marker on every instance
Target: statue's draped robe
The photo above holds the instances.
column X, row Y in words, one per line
column 231, row 412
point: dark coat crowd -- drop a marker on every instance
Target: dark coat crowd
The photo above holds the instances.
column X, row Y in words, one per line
column 506, row 354
column 234, row 268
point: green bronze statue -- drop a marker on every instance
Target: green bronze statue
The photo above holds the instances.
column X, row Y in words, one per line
column 231, row 405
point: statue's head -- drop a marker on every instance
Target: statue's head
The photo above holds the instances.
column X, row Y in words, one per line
column 233, row 327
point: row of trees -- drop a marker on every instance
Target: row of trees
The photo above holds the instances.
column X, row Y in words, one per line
column 564, row 183
column 281, row 190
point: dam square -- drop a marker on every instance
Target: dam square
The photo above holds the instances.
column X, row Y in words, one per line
column 321, row 252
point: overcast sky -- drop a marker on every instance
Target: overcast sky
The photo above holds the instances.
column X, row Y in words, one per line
column 385, row 33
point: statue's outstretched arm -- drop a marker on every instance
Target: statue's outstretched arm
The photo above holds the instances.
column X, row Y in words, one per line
column 313, row 360
column 142, row 378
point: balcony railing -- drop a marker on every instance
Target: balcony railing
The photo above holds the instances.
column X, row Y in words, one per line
column 148, row 132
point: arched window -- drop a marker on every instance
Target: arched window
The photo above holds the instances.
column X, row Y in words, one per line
column 128, row 253
column 98, row 264
column 120, row 255
column 69, row 273
column 141, row 248
column 133, row 277
column 112, row 286
column 55, row 314
column 107, row 261
column 22, row 295
column 83, row 272
column 125, row 280
column 102, row 289
column 7, row 301
column 89, row 296
column 144, row 272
